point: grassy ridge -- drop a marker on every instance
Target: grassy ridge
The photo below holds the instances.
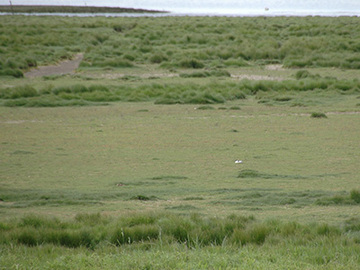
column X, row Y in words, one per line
column 283, row 92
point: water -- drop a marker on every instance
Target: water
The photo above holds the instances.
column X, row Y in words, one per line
column 217, row 7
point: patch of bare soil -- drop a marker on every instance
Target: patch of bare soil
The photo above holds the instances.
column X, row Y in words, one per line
column 19, row 121
column 353, row 112
column 257, row 77
column 170, row 75
column 65, row 67
column 294, row 114
column 274, row 67
column 143, row 76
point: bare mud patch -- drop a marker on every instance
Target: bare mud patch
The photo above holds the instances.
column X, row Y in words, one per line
column 257, row 77
column 142, row 76
column 274, row 67
column 20, row 121
column 64, row 67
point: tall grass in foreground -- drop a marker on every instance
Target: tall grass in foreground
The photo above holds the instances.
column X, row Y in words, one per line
column 325, row 255
column 92, row 230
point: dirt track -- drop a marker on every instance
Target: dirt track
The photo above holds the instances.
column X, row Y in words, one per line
column 65, row 67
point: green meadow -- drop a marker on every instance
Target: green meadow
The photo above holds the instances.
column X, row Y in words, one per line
column 129, row 162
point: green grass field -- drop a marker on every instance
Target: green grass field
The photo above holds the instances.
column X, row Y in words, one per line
column 129, row 162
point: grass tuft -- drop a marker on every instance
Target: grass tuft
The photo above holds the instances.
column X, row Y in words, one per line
column 27, row 238
column 204, row 74
column 17, row 73
column 203, row 108
column 352, row 225
column 143, row 198
column 355, row 195
column 18, row 92
column 249, row 174
column 135, row 234
column 192, row 63
column 318, row 115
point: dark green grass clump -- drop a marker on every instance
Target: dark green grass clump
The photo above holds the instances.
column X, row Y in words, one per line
column 24, row 91
column 318, row 115
column 205, row 108
column 90, row 230
column 355, row 195
column 143, row 198
column 16, row 73
column 303, row 74
column 257, row 174
column 204, row 74
column 191, row 63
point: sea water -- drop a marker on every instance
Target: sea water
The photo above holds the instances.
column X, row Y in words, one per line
column 215, row 7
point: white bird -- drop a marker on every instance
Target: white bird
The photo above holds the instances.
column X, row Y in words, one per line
column 238, row 161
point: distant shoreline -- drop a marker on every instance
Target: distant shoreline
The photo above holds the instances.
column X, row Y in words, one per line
column 90, row 11
column 71, row 9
